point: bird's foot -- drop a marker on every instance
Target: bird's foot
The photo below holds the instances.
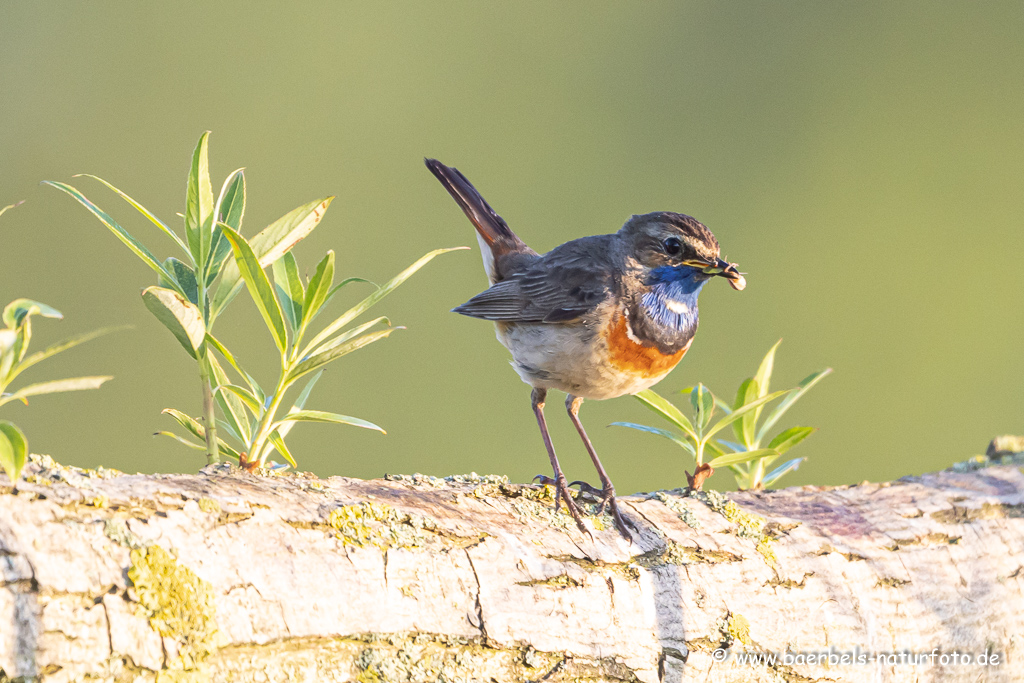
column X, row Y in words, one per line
column 562, row 491
column 607, row 498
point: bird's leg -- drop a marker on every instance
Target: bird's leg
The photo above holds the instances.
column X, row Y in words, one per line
column 561, row 485
column 572, row 405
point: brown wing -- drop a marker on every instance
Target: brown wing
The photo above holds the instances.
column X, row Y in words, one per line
column 563, row 285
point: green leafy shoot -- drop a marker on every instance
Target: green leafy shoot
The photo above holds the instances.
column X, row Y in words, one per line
column 748, row 456
column 200, row 280
column 15, row 359
column 697, row 435
column 753, row 432
column 254, row 418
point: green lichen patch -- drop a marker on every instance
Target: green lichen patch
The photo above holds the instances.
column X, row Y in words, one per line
column 737, row 628
column 178, row 604
column 379, row 525
column 980, row 462
column 427, row 481
column 209, row 505
column 764, row 549
column 118, row 532
column 43, row 470
column 627, row 570
column 891, row 582
column 676, row 505
column 537, row 504
column 559, row 581
column 679, row 554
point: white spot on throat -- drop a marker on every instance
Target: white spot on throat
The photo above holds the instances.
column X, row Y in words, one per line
column 676, row 306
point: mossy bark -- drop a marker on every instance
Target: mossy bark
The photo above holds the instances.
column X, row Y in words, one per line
column 227, row 576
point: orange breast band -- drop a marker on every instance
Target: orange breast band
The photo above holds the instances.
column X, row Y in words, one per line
column 631, row 356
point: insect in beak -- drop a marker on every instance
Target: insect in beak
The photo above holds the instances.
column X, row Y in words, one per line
column 723, row 268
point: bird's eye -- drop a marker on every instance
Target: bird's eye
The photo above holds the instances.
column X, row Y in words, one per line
column 672, row 246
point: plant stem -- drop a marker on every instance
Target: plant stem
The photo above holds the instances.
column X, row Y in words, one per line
column 263, row 428
column 209, row 416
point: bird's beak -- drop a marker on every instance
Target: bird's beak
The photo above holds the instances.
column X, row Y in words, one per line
column 723, row 268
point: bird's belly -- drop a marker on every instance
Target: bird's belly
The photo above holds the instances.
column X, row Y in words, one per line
column 586, row 362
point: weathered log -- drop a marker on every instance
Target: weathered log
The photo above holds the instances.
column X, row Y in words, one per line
column 227, row 576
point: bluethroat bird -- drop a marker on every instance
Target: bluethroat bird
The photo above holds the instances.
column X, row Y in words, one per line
column 597, row 317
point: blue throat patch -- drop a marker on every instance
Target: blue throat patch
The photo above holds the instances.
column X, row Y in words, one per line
column 672, row 301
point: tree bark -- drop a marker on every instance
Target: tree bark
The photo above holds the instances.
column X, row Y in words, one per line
column 227, row 576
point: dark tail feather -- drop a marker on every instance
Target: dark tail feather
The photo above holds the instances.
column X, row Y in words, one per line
column 491, row 226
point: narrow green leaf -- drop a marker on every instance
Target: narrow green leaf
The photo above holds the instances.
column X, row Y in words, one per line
column 348, row 334
column 269, row 245
column 737, row 414
column 321, row 416
column 9, row 340
column 288, row 288
column 259, row 286
column 746, row 428
column 789, row 438
column 334, row 290
column 230, row 358
column 56, row 386
column 714, row 449
column 245, row 396
column 667, row 410
column 778, row 472
column 231, row 406
column 197, row 430
column 23, row 336
column 190, row 444
column 369, row 301
column 229, row 210
column 319, row 288
column 13, row 450
column 764, row 371
column 179, row 315
column 278, row 441
column 317, row 361
column 763, row 377
column 225, row 427
column 184, row 279
column 199, row 203
column 19, row 309
column 703, row 405
column 137, row 247
column 664, row 433
column 10, row 206
column 300, row 402
column 794, row 396
column 745, row 456
column 53, row 350
column 731, row 445
column 143, row 210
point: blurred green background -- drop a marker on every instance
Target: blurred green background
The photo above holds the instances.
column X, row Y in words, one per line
column 861, row 161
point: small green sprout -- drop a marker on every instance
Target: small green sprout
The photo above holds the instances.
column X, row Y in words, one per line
column 750, row 434
column 191, row 293
column 15, row 359
column 747, row 458
column 253, row 417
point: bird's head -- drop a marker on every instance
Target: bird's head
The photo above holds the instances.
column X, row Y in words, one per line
column 665, row 242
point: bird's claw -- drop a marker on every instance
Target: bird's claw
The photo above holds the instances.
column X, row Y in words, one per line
column 562, row 490
column 607, row 498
